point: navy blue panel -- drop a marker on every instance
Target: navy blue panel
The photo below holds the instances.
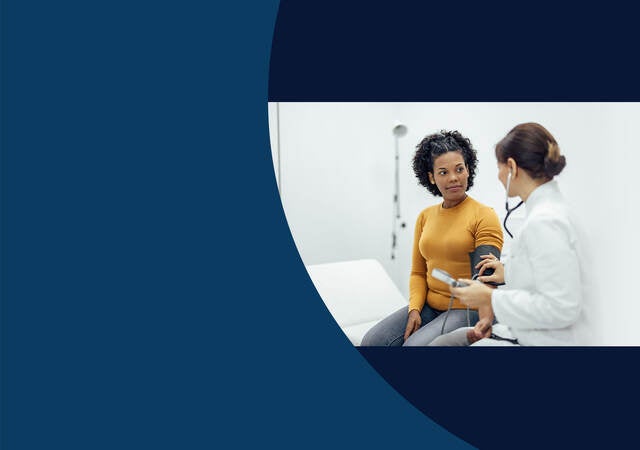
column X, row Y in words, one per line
column 359, row 50
column 506, row 398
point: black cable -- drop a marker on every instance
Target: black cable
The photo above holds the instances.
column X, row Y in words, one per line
column 447, row 314
column 509, row 211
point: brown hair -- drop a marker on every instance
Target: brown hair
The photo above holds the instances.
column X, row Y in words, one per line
column 534, row 149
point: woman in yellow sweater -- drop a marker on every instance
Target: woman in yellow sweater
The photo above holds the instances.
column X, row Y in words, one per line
column 448, row 236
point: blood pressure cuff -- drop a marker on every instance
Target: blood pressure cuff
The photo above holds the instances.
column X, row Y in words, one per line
column 475, row 258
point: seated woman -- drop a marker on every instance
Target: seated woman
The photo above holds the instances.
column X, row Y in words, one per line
column 446, row 236
column 541, row 302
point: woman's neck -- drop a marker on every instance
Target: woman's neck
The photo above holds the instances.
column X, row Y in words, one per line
column 446, row 204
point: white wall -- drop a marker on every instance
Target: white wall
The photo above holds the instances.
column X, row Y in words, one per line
column 337, row 168
column 274, row 138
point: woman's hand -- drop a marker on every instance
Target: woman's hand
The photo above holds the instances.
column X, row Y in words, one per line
column 475, row 295
column 414, row 322
column 490, row 262
column 480, row 331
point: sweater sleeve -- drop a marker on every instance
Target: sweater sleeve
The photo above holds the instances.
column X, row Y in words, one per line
column 555, row 300
column 418, row 277
column 488, row 229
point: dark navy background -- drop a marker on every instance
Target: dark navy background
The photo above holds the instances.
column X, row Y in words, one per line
column 152, row 296
column 443, row 51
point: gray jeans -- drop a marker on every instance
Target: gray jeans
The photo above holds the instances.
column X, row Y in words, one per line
column 389, row 332
column 458, row 338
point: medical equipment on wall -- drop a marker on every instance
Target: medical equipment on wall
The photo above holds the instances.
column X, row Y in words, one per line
column 399, row 130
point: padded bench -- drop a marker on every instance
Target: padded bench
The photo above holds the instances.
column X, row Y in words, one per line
column 358, row 294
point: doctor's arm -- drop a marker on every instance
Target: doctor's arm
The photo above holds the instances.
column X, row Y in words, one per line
column 554, row 301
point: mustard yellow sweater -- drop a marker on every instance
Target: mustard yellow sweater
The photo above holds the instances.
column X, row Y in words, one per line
column 443, row 239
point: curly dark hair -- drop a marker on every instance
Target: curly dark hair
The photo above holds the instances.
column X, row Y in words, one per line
column 438, row 144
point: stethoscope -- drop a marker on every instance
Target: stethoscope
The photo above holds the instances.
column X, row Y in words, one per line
column 506, row 205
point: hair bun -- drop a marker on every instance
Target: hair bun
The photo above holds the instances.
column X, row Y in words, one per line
column 534, row 150
column 553, row 167
column 554, row 162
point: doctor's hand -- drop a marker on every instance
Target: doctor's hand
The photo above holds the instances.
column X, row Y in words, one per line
column 475, row 295
column 414, row 322
column 490, row 262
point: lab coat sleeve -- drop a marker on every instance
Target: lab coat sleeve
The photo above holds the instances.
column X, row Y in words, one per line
column 554, row 302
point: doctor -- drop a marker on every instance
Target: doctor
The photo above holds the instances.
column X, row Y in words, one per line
column 540, row 303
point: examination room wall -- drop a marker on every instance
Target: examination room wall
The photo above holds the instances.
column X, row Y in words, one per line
column 334, row 163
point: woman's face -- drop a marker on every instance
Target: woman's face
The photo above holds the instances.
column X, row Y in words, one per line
column 450, row 175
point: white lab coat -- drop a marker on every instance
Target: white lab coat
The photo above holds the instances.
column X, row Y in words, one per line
column 541, row 301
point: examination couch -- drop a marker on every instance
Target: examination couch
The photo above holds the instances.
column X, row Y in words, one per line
column 358, row 294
